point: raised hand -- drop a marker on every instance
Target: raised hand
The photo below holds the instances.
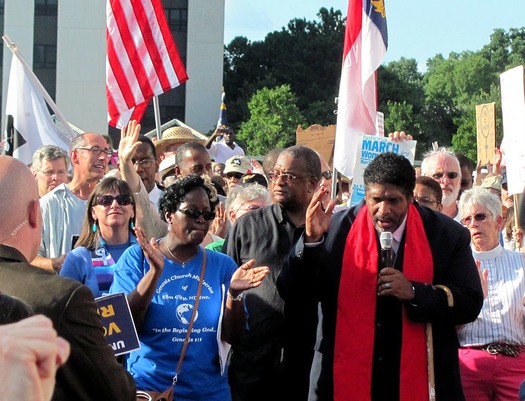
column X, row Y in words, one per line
column 151, row 250
column 318, row 218
column 218, row 225
column 247, row 276
column 128, row 141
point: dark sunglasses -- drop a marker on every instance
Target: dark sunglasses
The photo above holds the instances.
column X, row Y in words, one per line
column 234, row 175
column 451, row 175
column 107, row 200
column 195, row 214
column 327, row 175
column 467, row 221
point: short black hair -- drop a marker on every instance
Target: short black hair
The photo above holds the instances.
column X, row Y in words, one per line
column 310, row 157
column 191, row 145
column 174, row 195
column 432, row 184
column 391, row 168
column 145, row 139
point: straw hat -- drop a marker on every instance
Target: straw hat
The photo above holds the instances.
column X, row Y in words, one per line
column 175, row 135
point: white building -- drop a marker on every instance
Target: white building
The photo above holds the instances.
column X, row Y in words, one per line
column 64, row 42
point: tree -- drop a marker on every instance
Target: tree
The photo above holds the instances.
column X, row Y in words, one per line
column 274, row 118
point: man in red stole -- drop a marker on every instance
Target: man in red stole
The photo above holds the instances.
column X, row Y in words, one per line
column 375, row 316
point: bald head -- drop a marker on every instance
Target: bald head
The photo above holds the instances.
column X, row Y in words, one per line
column 20, row 211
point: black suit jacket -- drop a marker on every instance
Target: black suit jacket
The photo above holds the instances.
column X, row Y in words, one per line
column 312, row 275
column 92, row 372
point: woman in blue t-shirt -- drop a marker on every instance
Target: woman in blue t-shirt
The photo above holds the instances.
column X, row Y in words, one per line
column 161, row 279
column 106, row 233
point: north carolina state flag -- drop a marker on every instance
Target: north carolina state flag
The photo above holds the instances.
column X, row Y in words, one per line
column 366, row 42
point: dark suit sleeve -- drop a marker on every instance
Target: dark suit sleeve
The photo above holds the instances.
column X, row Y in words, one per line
column 92, row 371
column 454, row 267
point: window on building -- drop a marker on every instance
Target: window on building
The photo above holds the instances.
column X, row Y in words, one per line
column 46, row 7
column 45, row 57
column 177, row 19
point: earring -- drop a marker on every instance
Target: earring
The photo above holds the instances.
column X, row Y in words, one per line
column 169, row 226
column 94, row 227
column 131, row 225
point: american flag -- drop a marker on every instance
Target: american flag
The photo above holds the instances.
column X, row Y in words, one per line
column 142, row 59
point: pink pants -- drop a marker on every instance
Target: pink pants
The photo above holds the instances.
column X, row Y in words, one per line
column 487, row 377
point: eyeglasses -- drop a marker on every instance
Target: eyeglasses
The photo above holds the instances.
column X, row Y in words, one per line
column 286, row 177
column 425, row 200
column 49, row 173
column 144, row 163
column 327, row 175
column 195, row 214
column 107, row 200
column 96, row 150
column 467, row 221
column 451, row 175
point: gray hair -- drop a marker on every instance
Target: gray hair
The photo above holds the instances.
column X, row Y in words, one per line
column 246, row 193
column 78, row 141
column 482, row 197
column 435, row 153
column 48, row 152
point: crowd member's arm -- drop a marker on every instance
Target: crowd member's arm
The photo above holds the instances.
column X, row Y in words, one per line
column 51, row 264
column 398, row 136
column 30, row 355
column 147, row 217
column 212, row 137
column 496, row 161
column 245, row 277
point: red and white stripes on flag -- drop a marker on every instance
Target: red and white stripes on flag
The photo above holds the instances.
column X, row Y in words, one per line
column 142, row 59
column 365, row 46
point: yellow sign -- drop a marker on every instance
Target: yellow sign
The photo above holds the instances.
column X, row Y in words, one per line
column 486, row 131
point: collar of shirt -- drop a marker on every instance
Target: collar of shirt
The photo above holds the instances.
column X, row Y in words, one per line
column 398, row 234
column 487, row 255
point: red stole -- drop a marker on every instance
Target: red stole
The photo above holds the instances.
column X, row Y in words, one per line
column 354, row 339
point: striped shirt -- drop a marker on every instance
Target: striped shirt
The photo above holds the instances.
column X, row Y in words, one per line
column 501, row 319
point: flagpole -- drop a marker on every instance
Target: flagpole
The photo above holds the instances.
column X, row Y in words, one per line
column 156, row 109
column 38, row 85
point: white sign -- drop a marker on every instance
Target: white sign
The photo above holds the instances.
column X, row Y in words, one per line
column 513, row 145
column 368, row 148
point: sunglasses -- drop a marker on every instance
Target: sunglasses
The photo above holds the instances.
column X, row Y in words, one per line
column 327, row 175
column 195, row 214
column 467, row 221
column 107, row 200
column 451, row 175
column 234, row 175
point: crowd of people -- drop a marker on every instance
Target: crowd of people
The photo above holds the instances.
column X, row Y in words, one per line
column 249, row 280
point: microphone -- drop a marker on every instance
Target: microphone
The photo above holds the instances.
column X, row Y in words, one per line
column 385, row 239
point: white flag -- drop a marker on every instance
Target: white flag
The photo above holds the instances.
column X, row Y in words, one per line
column 32, row 125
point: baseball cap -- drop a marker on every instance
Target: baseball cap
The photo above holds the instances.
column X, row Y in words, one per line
column 238, row 164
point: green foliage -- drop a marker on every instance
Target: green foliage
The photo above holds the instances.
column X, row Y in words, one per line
column 274, row 118
column 305, row 56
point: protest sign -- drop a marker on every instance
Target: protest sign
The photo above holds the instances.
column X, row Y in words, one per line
column 368, row 148
column 319, row 138
column 119, row 329
column 486, row 132
column 513, row 145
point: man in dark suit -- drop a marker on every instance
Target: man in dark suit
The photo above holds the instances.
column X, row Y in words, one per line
column 378, row 317
column 92, row 372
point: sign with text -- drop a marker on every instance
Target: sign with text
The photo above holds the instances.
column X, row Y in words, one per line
column 486, row 131
column 513, row 145
column 318, row 138
column 119, row 328
column 368, row 148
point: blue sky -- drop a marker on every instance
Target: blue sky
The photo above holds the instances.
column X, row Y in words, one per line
column 416, row 29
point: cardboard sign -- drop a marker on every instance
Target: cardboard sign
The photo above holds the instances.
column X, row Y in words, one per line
column 318, row 138
column 486, row 131
column 513, row 145
column 119, row 328
column 368, row 147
